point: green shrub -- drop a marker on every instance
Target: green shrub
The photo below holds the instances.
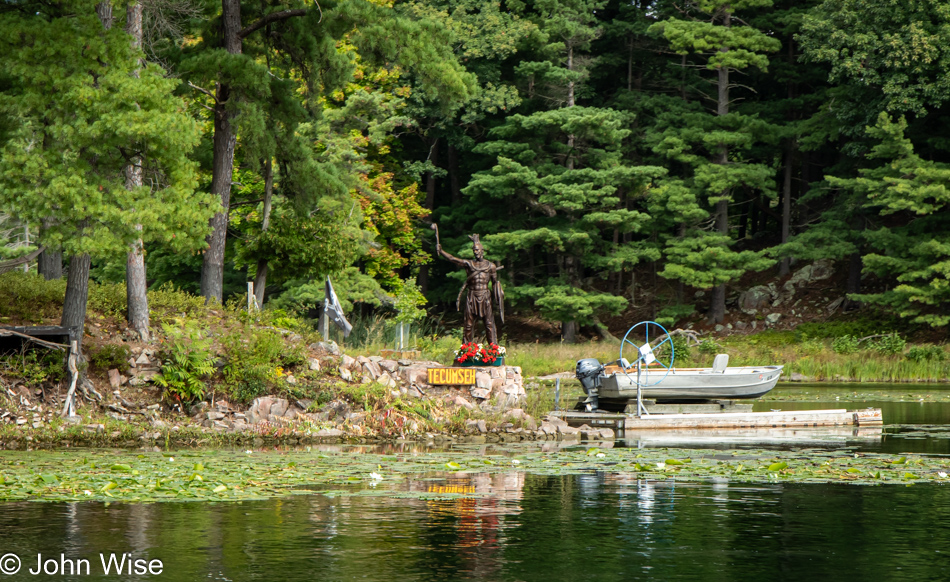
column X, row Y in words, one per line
column 166, row 303
column 186, row 362
column 889, row 344
column 846, row 344
column 283, row 319
column 926, row 353
column 257, row 360
column 110, row 356
column 34, row 366
column 30, row 297
column 109, row 299
column 707, row 347
column 858, row 328
column 681, row 349
column 811, row 345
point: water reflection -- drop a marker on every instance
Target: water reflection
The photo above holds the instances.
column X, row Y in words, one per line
column 600, row 526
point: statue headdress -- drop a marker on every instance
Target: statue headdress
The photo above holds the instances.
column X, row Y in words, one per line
column 474, row 238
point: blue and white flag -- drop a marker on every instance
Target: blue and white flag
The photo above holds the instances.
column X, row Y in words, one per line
column 334, row 311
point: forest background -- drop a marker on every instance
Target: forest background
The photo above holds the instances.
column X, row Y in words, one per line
column 647, row 157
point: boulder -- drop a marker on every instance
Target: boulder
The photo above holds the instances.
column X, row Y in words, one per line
column 483, row 380
column 754, row 299
column 462, row 402
column 481, row 393
column 328, row 347
column 512, row 389
column 371, row 370
column 386, row 380
column 278, row 407
column 416, row 374
column 548, row 429
column 329, row 432
column 607, row 434
column 834, row 305
column 515, row 414
column 817, row 271
column 389, row 365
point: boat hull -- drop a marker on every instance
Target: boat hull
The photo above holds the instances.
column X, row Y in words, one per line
column 693, row 384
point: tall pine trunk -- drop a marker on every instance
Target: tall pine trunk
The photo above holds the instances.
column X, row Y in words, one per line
column 569, row 327
column 785, row 265
column 135, row 284
column 260, row 278
column 717, row 305
column 430, row 176
column 77, row 293
column 222, row 164
column 77, row 280
column 50, row 262
column 454, row 175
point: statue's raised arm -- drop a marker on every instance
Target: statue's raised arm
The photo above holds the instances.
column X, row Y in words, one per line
column 451, row 258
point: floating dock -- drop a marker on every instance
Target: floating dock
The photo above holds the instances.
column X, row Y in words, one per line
column 622, row 423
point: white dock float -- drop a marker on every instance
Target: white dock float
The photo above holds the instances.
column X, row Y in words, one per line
column 719, row 420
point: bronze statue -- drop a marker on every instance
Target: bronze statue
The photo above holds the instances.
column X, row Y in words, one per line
column 478, row 303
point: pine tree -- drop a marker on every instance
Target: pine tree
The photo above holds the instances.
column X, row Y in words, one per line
column 713, row 147
column 309, row 35
column 915, row 250
column 82, row 117
column 561, row 168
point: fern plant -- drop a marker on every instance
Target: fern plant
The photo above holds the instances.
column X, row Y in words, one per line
column 186, row 362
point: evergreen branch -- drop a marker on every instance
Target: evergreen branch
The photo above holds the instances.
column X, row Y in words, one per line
column 545, row 209
column 202, row 90
column 274, row 17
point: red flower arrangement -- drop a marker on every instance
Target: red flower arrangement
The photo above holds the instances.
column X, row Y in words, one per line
column 473, row 352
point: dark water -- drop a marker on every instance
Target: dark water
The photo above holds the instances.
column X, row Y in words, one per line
column 524, row 527
column 916, row 416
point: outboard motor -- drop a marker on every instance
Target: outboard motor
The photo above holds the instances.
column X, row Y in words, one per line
column 588, row 372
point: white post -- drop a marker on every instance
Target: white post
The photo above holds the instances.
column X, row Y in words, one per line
column 26, row 237
column 324, row 324
column 251, row 302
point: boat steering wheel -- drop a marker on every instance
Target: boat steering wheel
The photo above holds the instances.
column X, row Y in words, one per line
column 646, row 354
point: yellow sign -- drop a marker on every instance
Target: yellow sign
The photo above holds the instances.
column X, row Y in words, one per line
column 451, row 376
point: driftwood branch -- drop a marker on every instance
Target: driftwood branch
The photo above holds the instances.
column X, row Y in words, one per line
column 692, row 337
column 44, row 343
column 14, row 263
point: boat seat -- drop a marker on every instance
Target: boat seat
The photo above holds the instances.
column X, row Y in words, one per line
column 720, row 363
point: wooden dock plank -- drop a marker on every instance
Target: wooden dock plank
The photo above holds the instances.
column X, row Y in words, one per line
column 772, row 419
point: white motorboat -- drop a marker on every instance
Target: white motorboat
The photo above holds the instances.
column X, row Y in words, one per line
column 720, row 382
